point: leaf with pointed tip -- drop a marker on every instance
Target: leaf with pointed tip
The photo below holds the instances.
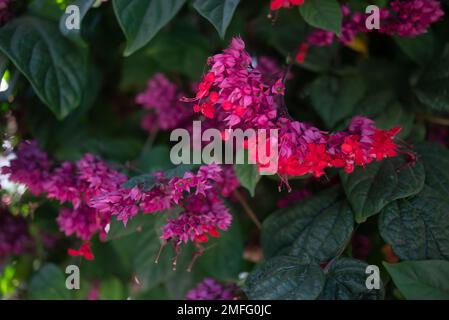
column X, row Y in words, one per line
column 346, row 280
column 323, row 14
column 140, row 20
column 370, row 189
column 55, row 67
column 218, row 12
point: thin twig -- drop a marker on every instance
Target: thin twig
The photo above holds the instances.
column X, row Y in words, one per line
column 247, row 209
column 434, row 119
column 151, row 138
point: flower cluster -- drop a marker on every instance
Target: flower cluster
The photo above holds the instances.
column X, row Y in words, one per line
column 161, row 98
column 96, row 194
column 233, row 88
column 203, row 212
column 14, row 235
column 240, row 90
column 74, row 183
column 209, row 289
column 408, row 18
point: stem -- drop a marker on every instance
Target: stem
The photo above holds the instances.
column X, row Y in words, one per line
column 247, row 209
column 434, row 119
column 151, row 138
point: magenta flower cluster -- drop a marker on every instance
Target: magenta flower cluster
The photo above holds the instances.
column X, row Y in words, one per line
column 210, row 289
column 71, row 183
column 198, row 194
column 161, row 99
column 239, row 95
column 95, row 193
column 409, row 18
column 15, row 238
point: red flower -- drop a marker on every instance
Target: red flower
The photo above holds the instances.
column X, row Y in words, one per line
column 277, row 4
column 84, row 251
column 383, row 145
column 206, row 108
column 302, row 53
column 204, row 86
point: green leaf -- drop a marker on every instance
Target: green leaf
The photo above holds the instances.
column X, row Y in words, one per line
column 218, row 12
column 112, row 289
column 248, row 175
column 420, row 49
column 435, row 158
column 421, row 279
column 431, row 88
column 75, row 34
column 318, row 227
column 183, row 50
column 370, row 189
column 141, row 245
column 48, row 284
column 334, row 98
column 56, row 69
column 323, row 14
column 418, row 227
column 285, row 278
column 147, row 181
column 48, row 9
column 223, row 260
column 140, row 20
column 345, row 280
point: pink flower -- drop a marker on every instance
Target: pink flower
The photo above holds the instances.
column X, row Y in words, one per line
column 83, row 222
column 30, row 167
column 62, row 184
column 15, row 238
column 161, row 97
column 209, row 289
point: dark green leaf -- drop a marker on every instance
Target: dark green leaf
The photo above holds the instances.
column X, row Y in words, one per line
column 420, row 49
column 147, row 181
column 248, row 175
column 346, row 280
column 183, row 50
column 421, row 279
column 435, row 158
column 334, row 99
column 317, row 227
column 140, row 20
column 56, row 69
column 431, row 88
column 417, row 228
column 223, row 260
column 372, row 188
column 323, row 14
column 285, row 278
column 48, row 284
column 218, row 12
